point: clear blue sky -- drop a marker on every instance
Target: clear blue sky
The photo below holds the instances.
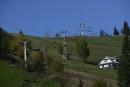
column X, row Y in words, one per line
column 37, row 17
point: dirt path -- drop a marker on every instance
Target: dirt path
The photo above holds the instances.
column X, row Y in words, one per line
column 77, row 78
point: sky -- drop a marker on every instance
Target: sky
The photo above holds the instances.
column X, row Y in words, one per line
column 41, row 17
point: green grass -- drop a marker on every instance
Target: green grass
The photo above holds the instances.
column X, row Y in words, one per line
column 11, row 77
column 93, row 69
column 47, row 83
column 100, row 47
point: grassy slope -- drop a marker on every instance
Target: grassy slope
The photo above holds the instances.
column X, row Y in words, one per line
column 100, row 47
column 104, row 46
column 10, row 77
column 93, row 69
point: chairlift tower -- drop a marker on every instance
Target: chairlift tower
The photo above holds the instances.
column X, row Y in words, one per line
column 64, row 45
column 25, row 51
column 83, row 29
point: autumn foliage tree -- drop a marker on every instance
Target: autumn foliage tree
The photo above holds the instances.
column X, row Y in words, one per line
column 82, row 49
column 17, row 47
column 55, row 65
column 36, row 61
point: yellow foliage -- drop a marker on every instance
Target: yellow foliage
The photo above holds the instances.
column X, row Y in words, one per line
column 35, row 57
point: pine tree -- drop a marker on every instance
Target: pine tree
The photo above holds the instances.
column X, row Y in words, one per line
column 121, row 32
column 4, row 43
column 116, row 32
column 58, row 35
column 126, row 28
column 103, row 33
column 124, row 65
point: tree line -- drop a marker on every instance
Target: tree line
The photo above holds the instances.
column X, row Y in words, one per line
column 116, row 32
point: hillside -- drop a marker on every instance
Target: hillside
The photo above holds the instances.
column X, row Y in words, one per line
column 100, row 47
column 11, row 77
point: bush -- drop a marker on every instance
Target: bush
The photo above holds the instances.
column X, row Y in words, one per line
column 36, row 62
column 81, row 47
column 55, row 65
column 99, row 83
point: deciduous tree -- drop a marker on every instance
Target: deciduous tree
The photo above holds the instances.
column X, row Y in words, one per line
column 36, row 61
column 82, row 49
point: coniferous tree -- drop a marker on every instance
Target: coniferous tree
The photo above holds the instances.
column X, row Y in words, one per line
column 103, row 33
column 121, row 32
column 58, row 35
column 4, row 43
column 116, row 32
column 21, row 33
column 126, row 28
column 124, row 65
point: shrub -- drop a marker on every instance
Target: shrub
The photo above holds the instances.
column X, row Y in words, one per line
column 55, row 65
column 99, row 83
column 36, row 62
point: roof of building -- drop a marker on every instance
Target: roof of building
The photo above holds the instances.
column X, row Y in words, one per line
column 108, row 60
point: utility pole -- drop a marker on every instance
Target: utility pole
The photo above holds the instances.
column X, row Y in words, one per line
column 25, row 52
